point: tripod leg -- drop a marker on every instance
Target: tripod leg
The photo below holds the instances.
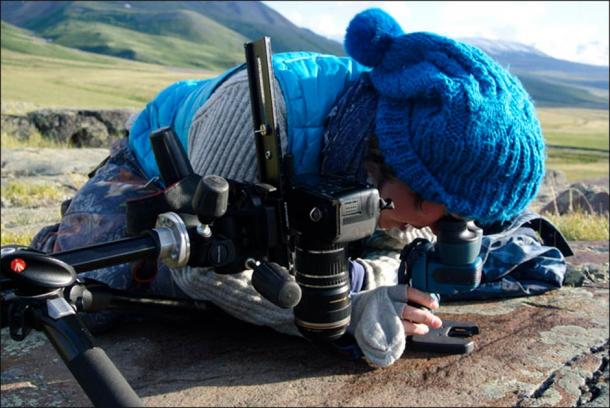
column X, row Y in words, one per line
column 97, row 375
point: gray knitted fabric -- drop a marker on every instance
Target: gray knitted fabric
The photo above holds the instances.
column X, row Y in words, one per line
column 221, row 138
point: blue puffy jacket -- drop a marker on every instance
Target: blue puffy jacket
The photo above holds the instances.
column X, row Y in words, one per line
column 310, row 84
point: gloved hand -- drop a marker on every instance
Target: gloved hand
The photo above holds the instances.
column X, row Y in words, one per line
column 381, row 320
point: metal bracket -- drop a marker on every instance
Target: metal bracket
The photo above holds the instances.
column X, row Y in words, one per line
column 59, row 307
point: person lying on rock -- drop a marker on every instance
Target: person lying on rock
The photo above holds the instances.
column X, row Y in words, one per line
column 435, row 124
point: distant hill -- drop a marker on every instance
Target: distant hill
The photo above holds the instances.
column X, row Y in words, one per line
column 39, row 73
column 210, row 35
column 550, row 81
column 21, row 41
column 207, row 35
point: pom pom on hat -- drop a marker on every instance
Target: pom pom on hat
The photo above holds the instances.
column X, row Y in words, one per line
column 369, row 35
column 454, row 125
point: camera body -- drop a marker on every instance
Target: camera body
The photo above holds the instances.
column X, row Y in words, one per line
column 306, row 231
column 315, row 217
column 325, row 214
column 332, row 209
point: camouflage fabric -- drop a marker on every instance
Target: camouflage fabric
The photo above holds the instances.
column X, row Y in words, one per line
column 96, row 214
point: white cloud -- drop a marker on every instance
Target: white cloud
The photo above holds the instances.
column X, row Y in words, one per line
column 327, row 26
column 482, row 12
column 582, row 43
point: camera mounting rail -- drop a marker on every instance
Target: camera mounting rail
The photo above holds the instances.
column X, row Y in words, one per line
column 267, row 138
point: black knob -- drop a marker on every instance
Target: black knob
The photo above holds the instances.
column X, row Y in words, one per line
column 211, row 198
column 277, row 285
column 171, row 158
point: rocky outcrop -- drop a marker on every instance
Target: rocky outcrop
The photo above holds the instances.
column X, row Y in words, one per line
column 553, row 182
column 19, row 127
column 582, row 197
column 75, row 127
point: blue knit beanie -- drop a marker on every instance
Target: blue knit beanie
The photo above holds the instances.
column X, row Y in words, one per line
column 454, row 125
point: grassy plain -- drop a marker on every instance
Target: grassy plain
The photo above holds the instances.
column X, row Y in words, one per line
column 48, row 82
column 36, row 73
column 576, row 128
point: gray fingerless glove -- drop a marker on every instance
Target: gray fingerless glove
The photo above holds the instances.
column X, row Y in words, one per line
column 376, row 323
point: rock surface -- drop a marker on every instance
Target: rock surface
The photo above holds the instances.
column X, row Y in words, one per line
column 548, row 350
column 583, row 197
column 47, row 162
column 557, row 196
column 75, row 127
column 553, row 183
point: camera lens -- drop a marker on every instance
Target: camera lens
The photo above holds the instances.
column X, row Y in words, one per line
column 323, row 313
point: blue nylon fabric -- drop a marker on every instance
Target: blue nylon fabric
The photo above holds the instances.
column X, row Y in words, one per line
column 174, row 106
column 310, row 84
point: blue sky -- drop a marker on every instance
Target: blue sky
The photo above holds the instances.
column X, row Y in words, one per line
column 571, row 30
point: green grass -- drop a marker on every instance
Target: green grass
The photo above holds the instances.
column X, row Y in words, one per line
column 52, row 82
column 578, row 165
column 16, row 238
column 35, row 140
column 23, row 194
column 22, row 41
column 17, row 108
column 153, row 48
column 180, row 38
column 578, row 226
column 577, row 128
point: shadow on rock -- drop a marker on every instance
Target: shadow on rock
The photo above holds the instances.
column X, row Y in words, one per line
column 159, row 356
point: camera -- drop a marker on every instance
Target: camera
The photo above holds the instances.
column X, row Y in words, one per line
column 317, row 216
column 326, row 214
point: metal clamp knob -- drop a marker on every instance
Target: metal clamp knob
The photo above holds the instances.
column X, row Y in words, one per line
column 174, row 240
